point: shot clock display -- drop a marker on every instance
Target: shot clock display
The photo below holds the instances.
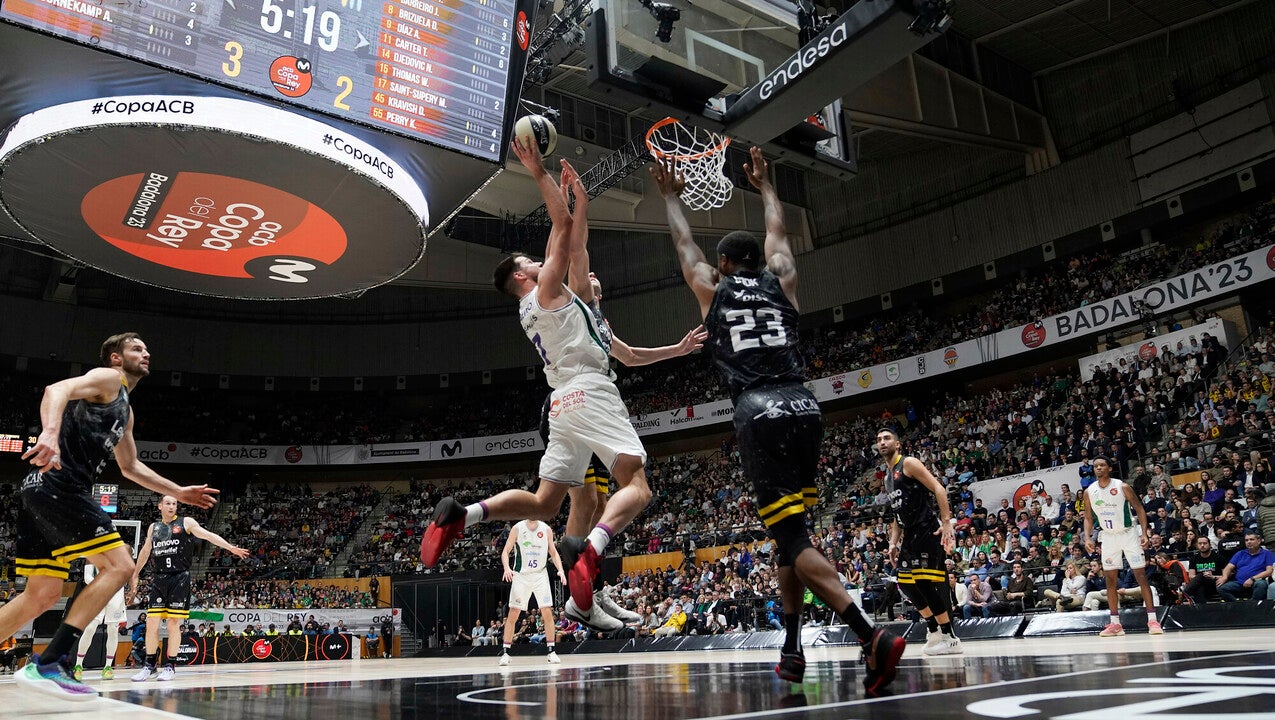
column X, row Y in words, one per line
column 434, row 70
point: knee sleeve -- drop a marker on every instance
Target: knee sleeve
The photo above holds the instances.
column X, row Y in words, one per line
column 791, row 539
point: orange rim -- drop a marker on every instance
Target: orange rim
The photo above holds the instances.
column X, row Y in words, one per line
column 661, row 155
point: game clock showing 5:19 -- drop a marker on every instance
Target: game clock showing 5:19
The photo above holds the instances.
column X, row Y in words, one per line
column 434, row 70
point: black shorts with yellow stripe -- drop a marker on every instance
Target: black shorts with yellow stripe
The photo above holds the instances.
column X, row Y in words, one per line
column 922, row 557
column 170, row 596
column 598, row 476
column 779, row 430
column 55, row 528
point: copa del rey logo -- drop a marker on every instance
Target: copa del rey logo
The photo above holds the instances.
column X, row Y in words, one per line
column 1034, row 334
column 838, row 383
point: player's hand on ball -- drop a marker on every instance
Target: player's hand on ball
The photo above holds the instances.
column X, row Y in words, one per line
column 528, row 155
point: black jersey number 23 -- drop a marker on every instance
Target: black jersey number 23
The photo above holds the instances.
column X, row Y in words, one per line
column 745, row 333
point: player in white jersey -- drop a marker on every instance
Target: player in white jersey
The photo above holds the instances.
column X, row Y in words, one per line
column 112, row 615
column 531, row 542
column 586, row 413
column 1113, row 505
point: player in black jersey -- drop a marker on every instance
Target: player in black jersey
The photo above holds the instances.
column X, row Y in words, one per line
column 171, row 541
column 749, row 305
column 85, row 420
column 921, row 536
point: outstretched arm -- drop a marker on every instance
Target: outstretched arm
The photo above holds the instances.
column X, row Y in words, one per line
column 633, row 357
column 777, row 251
column 578, row 243
column 699, row 275
column 194, row 528
column 557, row 252
column 137, row 471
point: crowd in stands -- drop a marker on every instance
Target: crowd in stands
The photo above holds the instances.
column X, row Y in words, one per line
column 1193, row 410
column 290, row 532
column 221, row 592
column 250, row 417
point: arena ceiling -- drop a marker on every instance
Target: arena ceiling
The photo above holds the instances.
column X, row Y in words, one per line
column 1041, row 36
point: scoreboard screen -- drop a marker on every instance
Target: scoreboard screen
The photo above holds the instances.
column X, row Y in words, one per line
column 107, row 495
column 11, row 443
column 435, row 70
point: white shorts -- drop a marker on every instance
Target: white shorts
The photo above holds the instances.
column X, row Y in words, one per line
column 528, row 585
column 587, row 417
column 1127, row 543
column 113, row 613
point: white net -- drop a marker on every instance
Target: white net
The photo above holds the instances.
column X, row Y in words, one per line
column 700, row 156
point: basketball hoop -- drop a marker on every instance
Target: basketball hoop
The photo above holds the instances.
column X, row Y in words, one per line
column 700, row 156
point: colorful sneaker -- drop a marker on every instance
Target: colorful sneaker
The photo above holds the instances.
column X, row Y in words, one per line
column 108, row 673
column 168, row 673
column 53, row 679
column 553, row 658
column 882, row 658
column 947, row 645
column 791, row 667
column 446, row 528
column 1153, row 627
column 144, row 674
column 594, row 619
column 612, row 608
column 581, row 562
column 78, row 673
column 1112, row 630
column 504, row 659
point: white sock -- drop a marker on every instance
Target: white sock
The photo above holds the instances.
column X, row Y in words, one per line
column 1115, row 619
column 599, row 538
column 473, row 514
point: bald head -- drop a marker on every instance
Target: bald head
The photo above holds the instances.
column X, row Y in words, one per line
column 168, row 508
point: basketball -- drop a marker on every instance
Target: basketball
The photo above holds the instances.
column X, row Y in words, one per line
column 537, row 130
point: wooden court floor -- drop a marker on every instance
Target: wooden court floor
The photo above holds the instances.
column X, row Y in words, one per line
column 1223, row 674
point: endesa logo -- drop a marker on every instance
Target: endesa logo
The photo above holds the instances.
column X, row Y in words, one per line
column 511, row 444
